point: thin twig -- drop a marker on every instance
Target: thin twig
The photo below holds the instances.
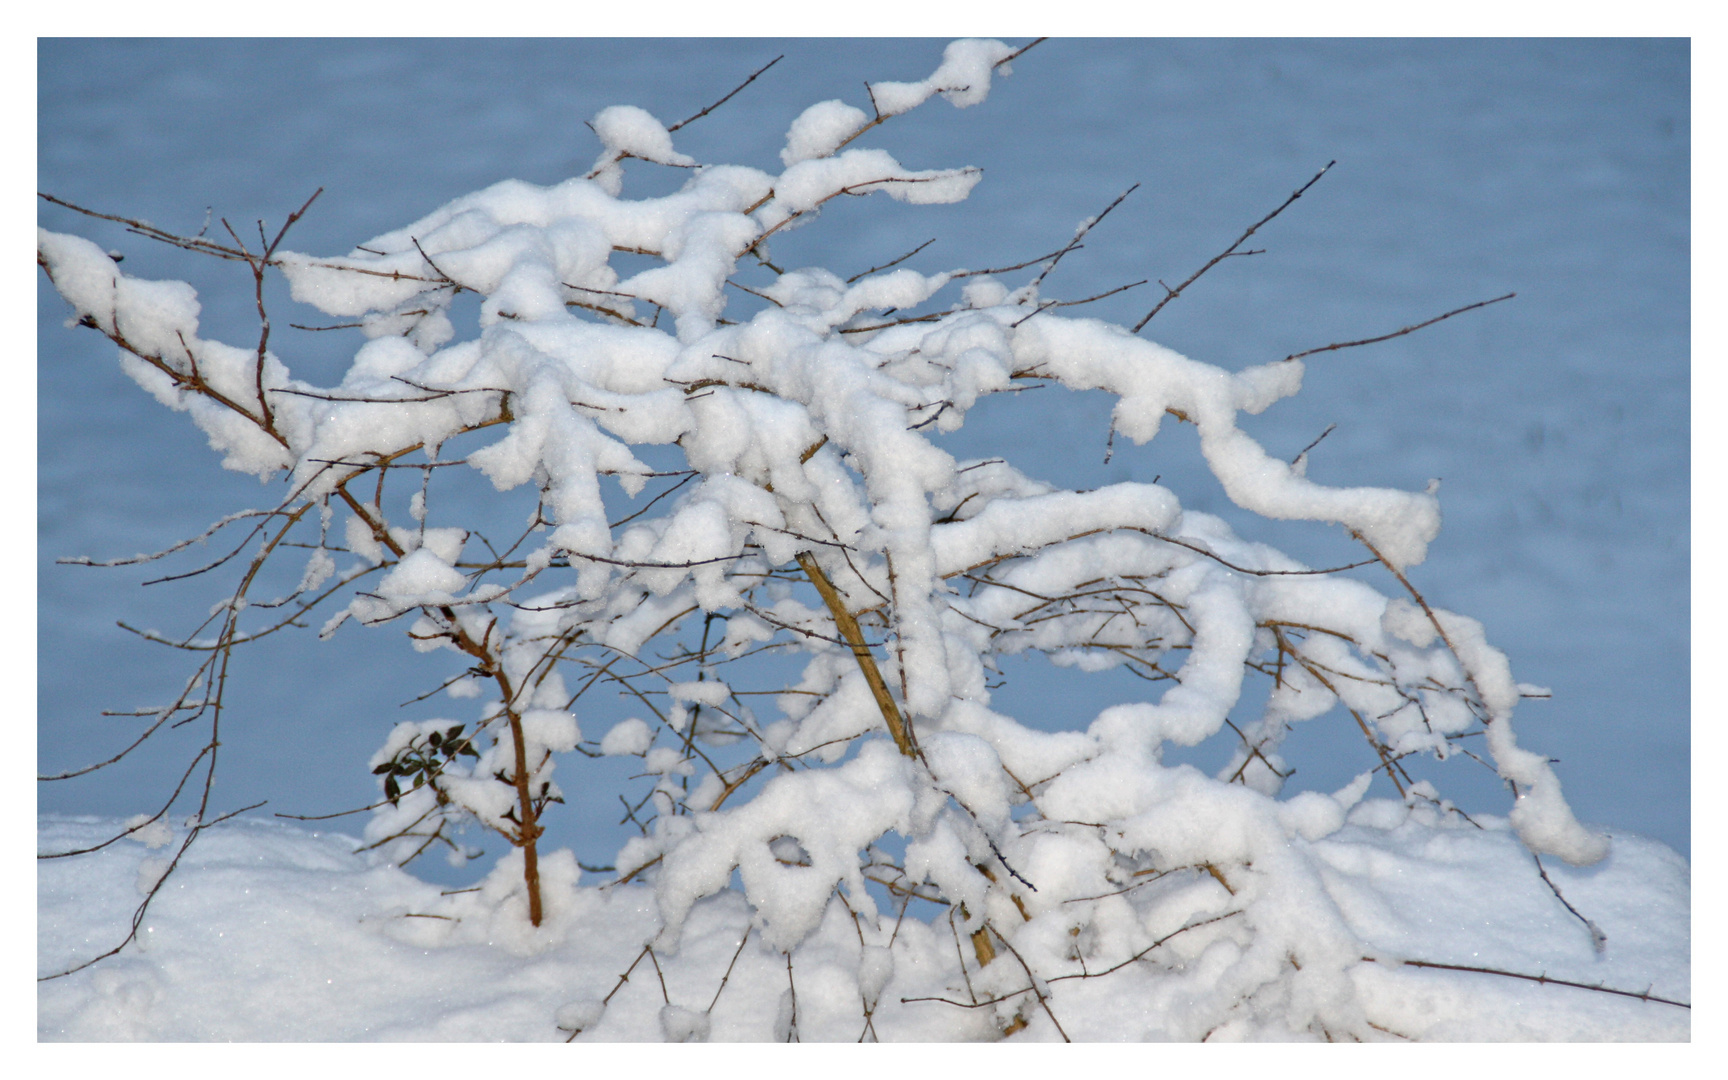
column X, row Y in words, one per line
column 1043, row 999
column 1598, row 940
column 735, row 954
column 1317, row 440
column 896, row 262
column 1398, row 333
column 1080, row 234
column 728, row 97
column 1171, row 294
column 1544, row 979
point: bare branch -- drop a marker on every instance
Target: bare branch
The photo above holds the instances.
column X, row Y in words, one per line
column 886, row 265
column 1543, row 979
column 728, row 97
column 1171, row 294
column 1399, row 333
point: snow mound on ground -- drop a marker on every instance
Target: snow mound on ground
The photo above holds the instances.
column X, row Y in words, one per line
column 268, row 932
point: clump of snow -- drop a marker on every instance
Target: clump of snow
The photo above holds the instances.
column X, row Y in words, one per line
column 681, row 1025
column 580, row 1015
column 151, row 832
column 630, row 736
column 820, row 129
column 963, row 78
column 634, row 131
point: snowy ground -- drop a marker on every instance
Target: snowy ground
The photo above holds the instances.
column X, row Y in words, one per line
column 272, row 933
column 1558, row 423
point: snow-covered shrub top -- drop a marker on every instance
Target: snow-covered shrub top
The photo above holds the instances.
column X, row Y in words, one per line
column 816, row 516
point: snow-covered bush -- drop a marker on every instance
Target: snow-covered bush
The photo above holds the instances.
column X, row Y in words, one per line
column 810, row 604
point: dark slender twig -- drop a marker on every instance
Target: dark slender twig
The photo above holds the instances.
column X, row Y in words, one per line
column 143, row 908
column 442, row 276
column 792, row 989
column 728, row 97
column 1263, row 573
column 1059, row 252
column 1544, row 979
column 896, row 262
column 1304, row 451
column 1039, row 310
column 880, row 118
column 1171, row 294
column 753, row 292
column 655, row 960
column 647, row 565
column 220, row 251
column 623, row 521
column 1080, row 234
column 85, row 560
column 1043, row 999
column 1598, row 940
column 1399, row 333
column 1142, row 953
column 740, row 950
column 1102, row 295
column 340, row 813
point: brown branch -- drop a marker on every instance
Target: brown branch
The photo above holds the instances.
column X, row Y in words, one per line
column 643, row 565
column 527, row 831
column 269, row 419
column 601, row 310
column 848, row 627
